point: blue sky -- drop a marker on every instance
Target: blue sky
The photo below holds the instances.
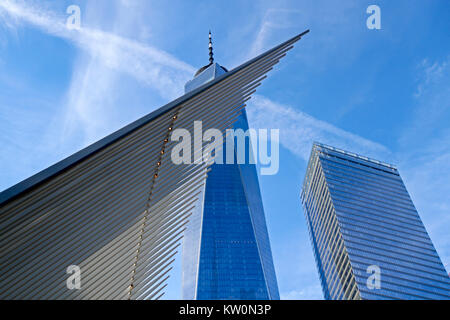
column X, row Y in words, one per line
column 382, row 93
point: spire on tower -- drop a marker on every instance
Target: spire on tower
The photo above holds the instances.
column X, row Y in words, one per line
column 211, row 60
column 211, row 57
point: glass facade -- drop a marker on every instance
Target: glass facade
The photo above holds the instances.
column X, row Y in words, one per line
column 364, row 228
column 226, row 252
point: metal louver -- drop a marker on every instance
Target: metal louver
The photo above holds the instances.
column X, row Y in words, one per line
column 118, row 208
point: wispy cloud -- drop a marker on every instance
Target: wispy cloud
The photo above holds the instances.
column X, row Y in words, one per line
column 299, row 130
column 432, row 99
column 425, row 151
column 273, row 20
column 426, row 172
column 97, row 74
column 149, row 65
column 331, row 24
column 431, row 73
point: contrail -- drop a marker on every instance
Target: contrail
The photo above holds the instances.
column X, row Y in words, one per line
column 147, row 64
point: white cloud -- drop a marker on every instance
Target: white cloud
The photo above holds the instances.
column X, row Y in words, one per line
column 298, row 130
column 432, row 99
column 149, row 65
column 425, row 152
column 97, row 75
column 332, row 27
column 427, row 175
column 274, row 19
column 431, row 73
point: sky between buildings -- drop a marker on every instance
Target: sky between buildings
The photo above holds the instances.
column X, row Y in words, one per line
column 381, row 93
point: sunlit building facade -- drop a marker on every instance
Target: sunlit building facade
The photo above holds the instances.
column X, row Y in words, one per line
column 367, row 237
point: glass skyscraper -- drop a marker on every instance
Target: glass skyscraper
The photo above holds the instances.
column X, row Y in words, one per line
column 368, row 239
column 226, row 251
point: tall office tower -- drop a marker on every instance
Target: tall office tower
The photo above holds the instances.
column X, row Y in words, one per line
column 227, row 252
column 367, row 237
